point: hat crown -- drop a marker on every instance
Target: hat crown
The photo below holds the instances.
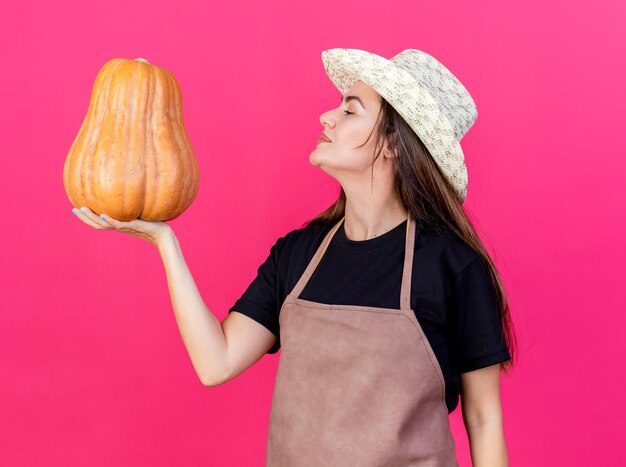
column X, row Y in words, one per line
column 454, row 101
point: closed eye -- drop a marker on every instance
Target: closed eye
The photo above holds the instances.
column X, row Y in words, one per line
column 348, row 113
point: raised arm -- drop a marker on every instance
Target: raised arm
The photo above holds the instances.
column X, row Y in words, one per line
column 218, row 351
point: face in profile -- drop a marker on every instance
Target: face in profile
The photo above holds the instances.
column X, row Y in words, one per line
column 348, row 126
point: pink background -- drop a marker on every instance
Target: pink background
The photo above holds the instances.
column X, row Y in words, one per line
column 93, row 369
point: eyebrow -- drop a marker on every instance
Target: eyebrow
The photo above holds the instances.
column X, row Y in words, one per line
column 352, row 98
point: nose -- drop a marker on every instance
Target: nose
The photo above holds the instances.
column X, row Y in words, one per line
column 327, row 119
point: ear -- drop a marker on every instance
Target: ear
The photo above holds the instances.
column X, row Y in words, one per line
column 391, row 144
column 388, row 153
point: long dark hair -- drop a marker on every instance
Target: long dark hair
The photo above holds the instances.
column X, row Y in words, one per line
column 430, row 199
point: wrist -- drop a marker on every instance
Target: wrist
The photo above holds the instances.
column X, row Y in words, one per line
column 164, row 237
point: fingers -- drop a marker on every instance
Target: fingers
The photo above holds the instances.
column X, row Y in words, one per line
column 103, row 222
column 151, row 231
column 88, row 217
column 115, row 224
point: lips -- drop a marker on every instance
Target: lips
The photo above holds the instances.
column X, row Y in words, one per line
column 323, row 138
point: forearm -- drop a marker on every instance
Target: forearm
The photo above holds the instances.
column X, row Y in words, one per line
column 199, row 328
column 487, row 445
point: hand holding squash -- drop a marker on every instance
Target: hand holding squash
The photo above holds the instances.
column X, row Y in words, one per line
column 152, row 231
column 132, row 158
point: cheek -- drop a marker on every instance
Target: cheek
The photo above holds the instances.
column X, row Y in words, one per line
column 356, row 135
column 351, row 157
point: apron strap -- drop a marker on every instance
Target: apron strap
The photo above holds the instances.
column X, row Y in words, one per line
column 405, row 290
column 409, row 248
column 308, row 272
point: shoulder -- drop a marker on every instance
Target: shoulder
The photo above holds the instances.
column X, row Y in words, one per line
column 303, row 241
column 453, row 253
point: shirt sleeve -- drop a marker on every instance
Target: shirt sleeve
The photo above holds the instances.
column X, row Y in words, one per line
column 260, row 301
column 476, row 321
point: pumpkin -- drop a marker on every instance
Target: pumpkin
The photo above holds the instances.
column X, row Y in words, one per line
column 132, row 157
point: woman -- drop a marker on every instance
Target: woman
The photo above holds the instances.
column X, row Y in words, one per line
column 387, row 305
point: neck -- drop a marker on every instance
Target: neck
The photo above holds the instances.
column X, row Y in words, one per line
column 366, row 220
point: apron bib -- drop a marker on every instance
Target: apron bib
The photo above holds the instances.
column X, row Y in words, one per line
column 357, row 386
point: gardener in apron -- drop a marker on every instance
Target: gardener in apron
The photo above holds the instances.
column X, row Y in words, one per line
column 359, row 384
column 386, row 305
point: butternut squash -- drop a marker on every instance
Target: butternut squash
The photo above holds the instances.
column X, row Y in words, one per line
column 132, row 157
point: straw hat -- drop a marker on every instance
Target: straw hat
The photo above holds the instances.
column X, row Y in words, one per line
column 424, row 92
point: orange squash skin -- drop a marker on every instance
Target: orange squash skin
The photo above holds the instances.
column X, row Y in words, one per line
column 132, row 157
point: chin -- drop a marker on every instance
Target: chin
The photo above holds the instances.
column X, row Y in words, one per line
column 325, row 160
column 313, row 159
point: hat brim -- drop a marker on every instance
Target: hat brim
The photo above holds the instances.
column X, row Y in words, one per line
column 421, row 112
